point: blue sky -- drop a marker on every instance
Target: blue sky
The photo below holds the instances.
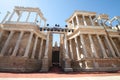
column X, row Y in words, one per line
column 57, row 11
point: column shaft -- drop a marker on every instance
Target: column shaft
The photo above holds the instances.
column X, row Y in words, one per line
column 28, row 45
column 83, row 45
column 28, row 17
column 66, row 46
column 91, row 21
column 5, row 17
column 17, row 44
column 36, row 18
column 19, row 16
column 117, row 51
column 110, row 47
column 77, row 49
column 47, row 45
column 40, row 51
column 71, row 51
column 1, row 33
column 102, row 47
column 34, row 48
column 84, row 21
column 11, row 16
column 92, row 47
column 73, row 23
column 6, row 43
column 77, row 19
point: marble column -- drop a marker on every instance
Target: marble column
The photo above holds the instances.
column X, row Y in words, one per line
column 36, row 18
column 17, row 44
column 34, row 48
column 19, row 16
column 26, row 54
column 83, row 46
column 5, row 17
column 94, row 53
column 84, row 21
column 77, row 49
column 102, row 47
column 91, row 20
column 73, row 23
column 11, row 16
column 65, row 45
column 1, row 33
column 28, row 16
column 116, row 49
column 71, row 50
column 6, row 43
column 40, row 51
column 110, row 46
column 77, row 19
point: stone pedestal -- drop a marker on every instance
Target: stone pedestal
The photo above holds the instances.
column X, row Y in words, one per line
column 45, row 66
column 67, row 64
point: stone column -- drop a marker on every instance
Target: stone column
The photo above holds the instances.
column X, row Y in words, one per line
column 84, row 21
column 19, row 16
column 91, row 21
column 1, row 33
column 71, row 49
column 94, row 53
column 99, row 22
column 65, row 45
column 110, row 47
column 28, row 45
column 34, row 48
column 36, row 18
column 73, row 23
column 117, row 51
column 17, row 44
column 11, row 16
column 28, row 17
column 5, row 17
column 102, row 47
column 40, row 51
column 77, row 19
column 77, row 49
column 45, row 64
column 83, row 45
column 6, row 43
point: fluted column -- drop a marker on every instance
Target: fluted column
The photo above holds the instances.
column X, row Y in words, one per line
column 28, row 45
column 11, row 16
column 102, row 47
column 110, row 46
column 40, row 51
column 83, row 45
column 6, row 43
column 5, row 17
column 91, row 21
column 17, row 44
column 19, row 16
column 71, row 51
column 34, row 48
column 77, row 49
column 117, row 51
column 84, row 21
column 94, row 53
column 28, row 16
column 77, row 19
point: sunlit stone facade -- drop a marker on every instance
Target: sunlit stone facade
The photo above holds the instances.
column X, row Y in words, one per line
column 92, row 45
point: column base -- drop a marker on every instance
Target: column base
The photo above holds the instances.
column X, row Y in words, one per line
column 68, row 69
column 45, row 66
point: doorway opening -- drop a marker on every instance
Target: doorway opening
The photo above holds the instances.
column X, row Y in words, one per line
column 55, row 58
